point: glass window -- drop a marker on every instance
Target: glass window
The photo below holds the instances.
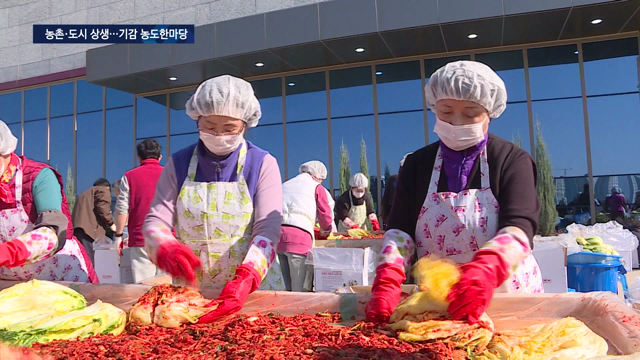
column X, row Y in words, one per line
column 307, row 127
column 89, row 97
column 62, row 99
column 352, row 121
column 35, row 138
column 35, row 124
column 184, row 130
column 119, row 156
column 513, row 124
column 151, row 119
column 400, row 114
column 269, row 92
column 89, row 139
column 10, row 111
column 268, row 135
column 61, row 144
column 11, row 114
column 118, row 99
column 431, row 66
column 557, row 107
column 611, row 73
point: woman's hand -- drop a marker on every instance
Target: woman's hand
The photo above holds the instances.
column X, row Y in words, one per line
column 13, row 253
column 387, row 290
column 471, row 296
column 234, row 294
column 178, row 260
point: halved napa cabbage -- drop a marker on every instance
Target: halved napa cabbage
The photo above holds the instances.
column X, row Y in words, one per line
column 567, row 338
column 99, row 318
column 423, row 316
column 31, row 303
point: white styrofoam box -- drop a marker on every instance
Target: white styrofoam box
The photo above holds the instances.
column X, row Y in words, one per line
column 106, row 266
column 634, row 256
column 341, row 268
column 552, row 263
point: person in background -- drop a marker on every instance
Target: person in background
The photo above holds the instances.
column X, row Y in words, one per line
column 224, row 197
column 137, row 190
column 470, row 197
column 616, row 203
column 389, row 192
column 92, row 214
column 304, row 200
column 354, row 208
column 36, row 231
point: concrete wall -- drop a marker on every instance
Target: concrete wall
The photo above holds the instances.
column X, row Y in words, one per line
column 20, row 59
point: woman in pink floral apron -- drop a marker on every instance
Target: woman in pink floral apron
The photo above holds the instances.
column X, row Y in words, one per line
column 36, row 233
column 224, row 196
column 471, row 197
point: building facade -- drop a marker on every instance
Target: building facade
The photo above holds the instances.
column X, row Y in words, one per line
column 333, row 74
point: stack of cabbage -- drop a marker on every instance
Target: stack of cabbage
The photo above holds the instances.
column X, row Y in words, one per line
column 423, row 317
column 42, row 311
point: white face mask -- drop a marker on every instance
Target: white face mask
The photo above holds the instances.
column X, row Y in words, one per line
column 358, row 193
column 459, row 137
column 221, row 145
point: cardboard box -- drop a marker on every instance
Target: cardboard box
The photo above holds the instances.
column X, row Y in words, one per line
column 340, row 268
column 552, row 262
column 106, row 266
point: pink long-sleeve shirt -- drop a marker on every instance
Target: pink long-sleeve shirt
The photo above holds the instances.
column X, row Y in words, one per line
column 298, row 241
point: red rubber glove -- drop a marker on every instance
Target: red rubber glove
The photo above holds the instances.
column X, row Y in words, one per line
column 376, row 224
column 471, row 296
column 179, row 261
column 387, row 290
column 355, row 226
column 13, row 253
column 234, row 294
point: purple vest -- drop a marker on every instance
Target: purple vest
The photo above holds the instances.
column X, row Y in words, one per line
column 207, row 163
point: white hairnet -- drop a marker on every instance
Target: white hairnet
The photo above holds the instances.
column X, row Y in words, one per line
column 8, row 142
column 359, row 180
column 315, row 168
column 227, row 96
column 468, row 80
column 404, row 159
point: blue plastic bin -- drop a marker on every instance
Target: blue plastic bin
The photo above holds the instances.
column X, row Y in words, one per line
column 588, row 272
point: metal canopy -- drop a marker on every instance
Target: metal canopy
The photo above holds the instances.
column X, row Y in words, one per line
column 327, row 34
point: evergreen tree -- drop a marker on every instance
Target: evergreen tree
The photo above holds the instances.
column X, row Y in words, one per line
column 70, row 189
column 546, row 187
column 345, row 168
column 364, row 165
column 517, row 140
column 387, row 172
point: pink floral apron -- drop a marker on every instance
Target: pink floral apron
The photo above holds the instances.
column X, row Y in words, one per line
column 67, row 264
column 457, row 225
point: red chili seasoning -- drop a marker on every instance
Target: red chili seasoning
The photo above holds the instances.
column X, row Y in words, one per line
column 268, row 336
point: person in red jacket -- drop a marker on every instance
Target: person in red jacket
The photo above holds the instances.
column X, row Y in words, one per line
column 137, row 190
column 36, row 231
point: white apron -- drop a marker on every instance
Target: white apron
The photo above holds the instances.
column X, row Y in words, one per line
column 67, row 264
column 215, row 220
column 457, row 225
column 359, row 216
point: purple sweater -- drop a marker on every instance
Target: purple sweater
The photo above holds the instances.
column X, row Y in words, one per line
column 458, row 164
